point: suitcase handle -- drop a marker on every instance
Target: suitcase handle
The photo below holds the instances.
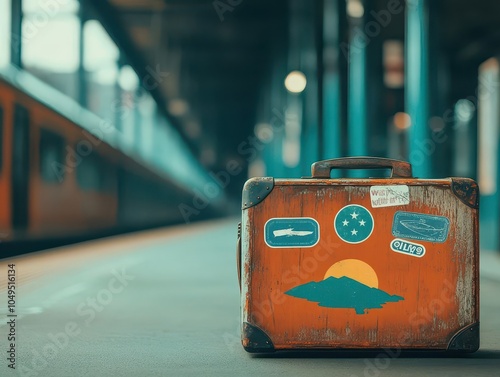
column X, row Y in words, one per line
column 400, row 169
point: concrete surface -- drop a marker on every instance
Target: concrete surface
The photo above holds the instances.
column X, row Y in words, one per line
column 166, row 303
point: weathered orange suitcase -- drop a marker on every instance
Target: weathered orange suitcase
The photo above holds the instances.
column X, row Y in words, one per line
column 359, row 263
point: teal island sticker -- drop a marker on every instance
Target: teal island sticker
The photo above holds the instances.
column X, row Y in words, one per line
column 291, row 232
column 420, row 226
column 343, row 292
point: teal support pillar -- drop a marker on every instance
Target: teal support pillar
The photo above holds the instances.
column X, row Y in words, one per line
column 294, row 155
column 309, row 51
column 417, row 86
column 357, row 131
column 16, row 32
column 334, row 20
column 82, row 79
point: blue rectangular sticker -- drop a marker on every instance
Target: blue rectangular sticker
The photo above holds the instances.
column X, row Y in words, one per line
column 419, row 226
column 291, row 232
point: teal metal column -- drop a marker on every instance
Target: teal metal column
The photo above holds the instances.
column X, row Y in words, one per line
column 16, row 32
column 417, row 86
column 309, row 61
column 293, row 152
column 274, row 161
column 357, row 131
column 82, row 79
column 333, row 21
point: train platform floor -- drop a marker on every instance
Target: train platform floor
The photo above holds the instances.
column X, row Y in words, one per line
column 166, row 303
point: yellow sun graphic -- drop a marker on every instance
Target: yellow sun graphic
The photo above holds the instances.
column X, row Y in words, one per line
column 354, row 269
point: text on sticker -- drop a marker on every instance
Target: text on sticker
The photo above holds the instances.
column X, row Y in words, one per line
column 407, row 247
column 389, row 196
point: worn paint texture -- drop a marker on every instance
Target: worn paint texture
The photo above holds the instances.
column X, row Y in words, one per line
column 319, row 297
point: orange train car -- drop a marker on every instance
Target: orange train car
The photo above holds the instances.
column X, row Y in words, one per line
column 40, row 192
column 59, row 180
column 360, row 263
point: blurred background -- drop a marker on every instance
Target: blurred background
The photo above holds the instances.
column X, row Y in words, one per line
column 117, row 115
column 122, row 121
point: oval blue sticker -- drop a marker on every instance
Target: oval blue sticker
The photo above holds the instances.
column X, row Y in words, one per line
column 291, row 232
column 407, row 247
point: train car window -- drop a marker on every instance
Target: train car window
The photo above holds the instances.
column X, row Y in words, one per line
column 108, row 177
column 21, row 154
column 1, row 139
column 52, row 158
column 95, row 174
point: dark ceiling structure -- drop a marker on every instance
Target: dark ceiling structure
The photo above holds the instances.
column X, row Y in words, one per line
column 212, row 58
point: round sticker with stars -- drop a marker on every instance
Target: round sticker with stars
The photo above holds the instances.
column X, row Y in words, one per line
column 353, row 223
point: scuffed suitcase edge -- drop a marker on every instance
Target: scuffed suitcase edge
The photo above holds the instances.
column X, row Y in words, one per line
column 466, row 190
column 466, row 340
column 238, row 255
column 256, row 190
column 255, row 340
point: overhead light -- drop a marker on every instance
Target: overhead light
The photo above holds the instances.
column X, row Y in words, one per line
column 295, row 82
column 464, row 110
column 178, row 107
column 402, row 121
column 264, row 132
column 355, row 8
column 127, row 79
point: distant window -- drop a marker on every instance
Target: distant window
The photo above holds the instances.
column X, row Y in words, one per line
column 52, row 159
column 95, row 174
column 5, row 37
column 100, row 61
column 51, row 43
